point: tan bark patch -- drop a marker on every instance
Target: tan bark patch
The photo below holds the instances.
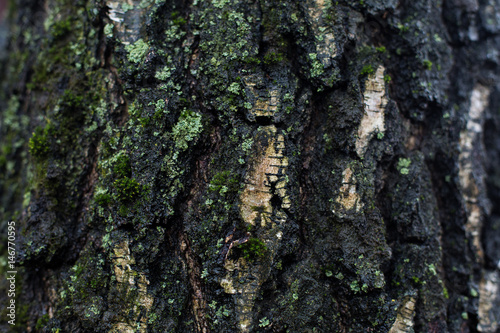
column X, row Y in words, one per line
column 265, row 178
column 489, row 300
column 469, row 183
column 326, row 47
column 128, row 23
column 472, row 184
column 375, row 102
column 348, row 197
column 256, row 196
column 127, row 279
column 266, row 102
column 404, row 319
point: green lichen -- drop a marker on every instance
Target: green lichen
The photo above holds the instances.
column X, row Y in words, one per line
column 403, row 27
column 355, row 286
column 403, row 165
column 234, row 88
column 108, row 29
column 263, row 322
column 187, row 129
column 427, row 64
column 165, row 73
column 137, row 51
column 445, row 293
column 317, row 67
column 87, row 279
column 160, row 110
column 160, row 105
column 126, row 7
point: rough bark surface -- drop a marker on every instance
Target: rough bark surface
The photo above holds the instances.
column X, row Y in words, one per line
column 252, row 166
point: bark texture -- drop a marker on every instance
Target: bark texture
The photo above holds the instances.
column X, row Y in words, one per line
column 253, row 166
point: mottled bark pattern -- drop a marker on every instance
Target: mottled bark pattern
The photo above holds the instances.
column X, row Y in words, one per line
column 253, row 166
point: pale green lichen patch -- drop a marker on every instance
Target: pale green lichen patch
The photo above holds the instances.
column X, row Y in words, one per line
column 165, row 73
column 317, row 66
column 137, row 51
column 187, row 129
column 234, row 88
column 403, row 165
column 108, row 29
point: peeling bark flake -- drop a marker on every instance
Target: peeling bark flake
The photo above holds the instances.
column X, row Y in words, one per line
column 127, row 279
column 373, row 118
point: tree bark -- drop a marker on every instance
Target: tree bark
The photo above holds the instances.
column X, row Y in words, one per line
column 252, row 166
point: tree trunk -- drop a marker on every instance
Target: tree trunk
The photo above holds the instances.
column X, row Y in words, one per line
column 252, row 166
